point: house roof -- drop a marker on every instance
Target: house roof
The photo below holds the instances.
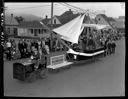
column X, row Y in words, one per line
column 117, row 24
column 32, row 24
column 10, row 20
column 67, row 13
column 45, row 21
column 64, row 18
column 106, row 19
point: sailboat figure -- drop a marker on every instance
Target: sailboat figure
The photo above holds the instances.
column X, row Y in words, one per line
column 71, row 32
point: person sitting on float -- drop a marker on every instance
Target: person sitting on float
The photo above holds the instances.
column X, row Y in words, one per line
column 35, row 57
column 91, row 43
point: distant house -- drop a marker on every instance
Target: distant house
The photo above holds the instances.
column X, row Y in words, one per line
column 55, row 20
column 103, row 19
column 120, row 18
column 67, row 16
column 33, row 29
column 120, row 23
column 120, row 26
column 60, row 20
column 11, row 25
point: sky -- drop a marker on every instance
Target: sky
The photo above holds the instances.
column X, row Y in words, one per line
column 41, row 9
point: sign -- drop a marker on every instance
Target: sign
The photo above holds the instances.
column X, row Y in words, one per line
column 57, row 59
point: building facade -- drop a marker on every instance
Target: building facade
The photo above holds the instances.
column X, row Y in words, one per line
column 33, row 29
column 101, row 19
column 11, row 25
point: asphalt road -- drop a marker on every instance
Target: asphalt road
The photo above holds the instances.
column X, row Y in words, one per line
column 105, row 77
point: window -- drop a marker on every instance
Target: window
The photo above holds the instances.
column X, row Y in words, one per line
column 39, row 31
column 42, row 30
column 35, row 32
column 8, row 30
column 54, row 21
column 15, row 31
column 31, row 31
column 46, row 30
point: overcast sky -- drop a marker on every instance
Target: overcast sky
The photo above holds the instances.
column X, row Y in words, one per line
column 112, row 9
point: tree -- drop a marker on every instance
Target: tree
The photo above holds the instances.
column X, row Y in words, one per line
column 19, row 19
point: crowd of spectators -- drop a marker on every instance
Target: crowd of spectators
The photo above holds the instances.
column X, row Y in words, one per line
column 24, row 47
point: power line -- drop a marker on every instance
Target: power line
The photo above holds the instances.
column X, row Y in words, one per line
column 88, row 12
column 68, row 6
column 76, row 7
column 83, row 10
column 75, row 10
column 30, row 7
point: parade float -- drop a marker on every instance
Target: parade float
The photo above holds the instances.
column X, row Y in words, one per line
column 71, row 32
column 74, row 30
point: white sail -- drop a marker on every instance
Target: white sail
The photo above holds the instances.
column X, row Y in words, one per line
column 71, row 30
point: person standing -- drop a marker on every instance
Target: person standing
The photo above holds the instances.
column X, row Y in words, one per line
column 25, row 49
column 113, row 47
column 105, row 47
column 83, row 43
column 109, row 47
column 20, row 47
column 47, row 49
column 13, row 49
column 9, row 45
column 36, row 44
column 91, row 43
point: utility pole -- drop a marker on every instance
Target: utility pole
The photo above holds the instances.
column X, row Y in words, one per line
column 51, row 25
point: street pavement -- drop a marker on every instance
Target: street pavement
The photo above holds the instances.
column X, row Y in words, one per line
column 105, row 77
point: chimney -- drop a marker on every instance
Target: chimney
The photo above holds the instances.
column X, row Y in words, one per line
column 46, row 17
column 70, row 10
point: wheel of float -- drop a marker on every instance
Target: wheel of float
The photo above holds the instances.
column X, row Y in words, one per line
column 32, row 77
column 43, row 73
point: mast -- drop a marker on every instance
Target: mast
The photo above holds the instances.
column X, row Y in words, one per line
column 51, row 25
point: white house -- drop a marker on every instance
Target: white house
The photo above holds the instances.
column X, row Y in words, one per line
column 11, row 25
column 33, row 29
